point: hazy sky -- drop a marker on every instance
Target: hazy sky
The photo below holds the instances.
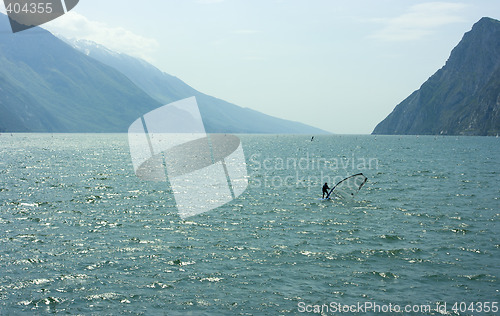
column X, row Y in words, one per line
column 338, row 65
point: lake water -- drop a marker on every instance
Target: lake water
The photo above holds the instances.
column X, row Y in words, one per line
column 81, row 234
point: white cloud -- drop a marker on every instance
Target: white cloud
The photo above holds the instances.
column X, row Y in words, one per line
column 74, row 25
column 209, row 1
column 420, row 21
column 244, row 32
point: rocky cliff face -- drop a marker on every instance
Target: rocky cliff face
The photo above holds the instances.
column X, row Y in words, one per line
column 463, row 97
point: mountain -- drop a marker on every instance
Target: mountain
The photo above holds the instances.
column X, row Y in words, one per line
column 47, row 85
column 218, row 115
column 463, row 97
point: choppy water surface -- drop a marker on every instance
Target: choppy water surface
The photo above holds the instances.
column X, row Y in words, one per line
column 81, row 234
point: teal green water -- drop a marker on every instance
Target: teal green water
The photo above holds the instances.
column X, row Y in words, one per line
column 81, row 234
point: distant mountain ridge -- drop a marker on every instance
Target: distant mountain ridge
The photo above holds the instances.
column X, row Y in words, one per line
column 218, row 115
column 47, row 85
column 463, row 97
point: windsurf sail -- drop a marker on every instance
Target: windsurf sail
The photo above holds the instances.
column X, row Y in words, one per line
column 349, row 186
